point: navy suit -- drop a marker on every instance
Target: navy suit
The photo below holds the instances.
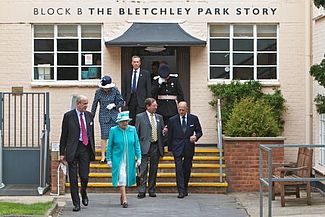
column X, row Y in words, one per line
column 181, row 147
column 135, row 101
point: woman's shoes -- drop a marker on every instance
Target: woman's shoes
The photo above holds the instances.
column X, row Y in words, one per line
column 121, row 200
column 125, row 205
column 103, row 161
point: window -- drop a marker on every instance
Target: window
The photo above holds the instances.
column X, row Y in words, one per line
column 322, row 139
column 243, row 52
column 67, row 52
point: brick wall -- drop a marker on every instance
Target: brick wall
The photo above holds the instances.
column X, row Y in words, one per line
column 242, row 162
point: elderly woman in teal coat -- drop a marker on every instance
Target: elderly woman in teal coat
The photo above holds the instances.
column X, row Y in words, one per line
column 123, row 154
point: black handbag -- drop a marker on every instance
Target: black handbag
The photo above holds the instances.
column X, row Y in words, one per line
column 138, row 177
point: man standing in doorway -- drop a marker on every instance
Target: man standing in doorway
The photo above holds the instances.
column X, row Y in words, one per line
column 167, row 90
column 184, row 130
column 137, row 87
column 151, row 130
column 77, row 147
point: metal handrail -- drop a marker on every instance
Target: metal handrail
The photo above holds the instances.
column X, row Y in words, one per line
column 220, row 140
column 268, row 181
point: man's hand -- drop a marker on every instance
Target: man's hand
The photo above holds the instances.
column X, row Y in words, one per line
column 193, row 139
column 165, row 131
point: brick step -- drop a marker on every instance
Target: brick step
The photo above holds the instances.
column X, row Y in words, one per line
column 162, row 170
column 159, row 184
column 169, row 165
column 171, row 158
column 161, row 177
column 199, row 151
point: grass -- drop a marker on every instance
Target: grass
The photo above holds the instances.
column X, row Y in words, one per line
column 8, row 208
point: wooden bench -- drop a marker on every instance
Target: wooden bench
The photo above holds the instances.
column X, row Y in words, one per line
column 301, row 169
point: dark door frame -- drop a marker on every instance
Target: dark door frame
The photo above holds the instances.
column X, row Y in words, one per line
column 182, row 65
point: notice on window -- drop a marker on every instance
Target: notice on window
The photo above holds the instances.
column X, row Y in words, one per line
column 88, row 59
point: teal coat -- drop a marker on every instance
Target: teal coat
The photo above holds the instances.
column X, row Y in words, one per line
column 115, row 150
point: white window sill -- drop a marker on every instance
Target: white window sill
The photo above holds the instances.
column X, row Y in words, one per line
column 264, row 83
column 64, row 83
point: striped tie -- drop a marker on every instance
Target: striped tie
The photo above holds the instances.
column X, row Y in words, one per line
column 154, row 136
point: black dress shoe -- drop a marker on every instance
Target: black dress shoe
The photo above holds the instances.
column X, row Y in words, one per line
column 152, row 194
column 141, row 195
column 85, row 200
column 76, row 208
column 125, row 205
column 181, row 195
column 103, row 161
column 186, row 194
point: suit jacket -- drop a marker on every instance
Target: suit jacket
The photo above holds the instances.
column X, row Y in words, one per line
column 143, row 87
column 143, row 127
column 70, row 135
column 178, row 141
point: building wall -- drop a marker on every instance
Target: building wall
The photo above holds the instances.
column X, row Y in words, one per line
column 16, row 18
column 318, row 55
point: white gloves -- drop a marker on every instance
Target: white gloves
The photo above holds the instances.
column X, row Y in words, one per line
column 111, row 106
column 109, row 163
column 161, row 80
column 138, row 162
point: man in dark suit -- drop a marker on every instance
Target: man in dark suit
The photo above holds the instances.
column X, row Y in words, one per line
column 77, row 147
column 137, row 87
column 151, row 130
column 184, row 129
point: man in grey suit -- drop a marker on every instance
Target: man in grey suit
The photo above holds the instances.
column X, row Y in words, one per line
column 151, row 130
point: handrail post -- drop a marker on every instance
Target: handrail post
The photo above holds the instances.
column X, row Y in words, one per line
column 220, row 140
column 1, row 139
column 270, row 160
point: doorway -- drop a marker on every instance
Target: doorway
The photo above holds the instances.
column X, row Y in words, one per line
column 178, row 58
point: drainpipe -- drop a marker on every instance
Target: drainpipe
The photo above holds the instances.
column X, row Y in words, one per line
column 309, row 80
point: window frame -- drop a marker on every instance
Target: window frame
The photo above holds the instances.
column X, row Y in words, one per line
column 231, row 52
column 79, row 52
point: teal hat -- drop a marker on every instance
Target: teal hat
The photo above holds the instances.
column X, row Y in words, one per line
column 123, row 116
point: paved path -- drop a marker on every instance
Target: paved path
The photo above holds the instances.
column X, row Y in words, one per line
column 164, row 205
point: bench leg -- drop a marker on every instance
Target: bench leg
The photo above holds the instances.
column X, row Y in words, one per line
column 308, row 193
column 297, row 192
column 273, row 191
column 282, row 194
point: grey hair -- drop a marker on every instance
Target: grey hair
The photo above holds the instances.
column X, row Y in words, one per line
column 79, row 98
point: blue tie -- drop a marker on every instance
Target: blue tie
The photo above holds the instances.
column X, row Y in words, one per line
column 134, row 82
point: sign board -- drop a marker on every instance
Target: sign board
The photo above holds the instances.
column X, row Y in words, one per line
column 17, row 90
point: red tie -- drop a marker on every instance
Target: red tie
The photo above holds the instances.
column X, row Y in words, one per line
column 83, row 131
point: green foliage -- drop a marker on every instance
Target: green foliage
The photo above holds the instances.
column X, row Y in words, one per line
column 319, row 3
column 231, row 93
column 251, row 117
column 318, row 71
column 320, row 103
column 7, row 208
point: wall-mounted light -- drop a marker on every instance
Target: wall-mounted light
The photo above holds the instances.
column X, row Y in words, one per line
column 155, row 49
